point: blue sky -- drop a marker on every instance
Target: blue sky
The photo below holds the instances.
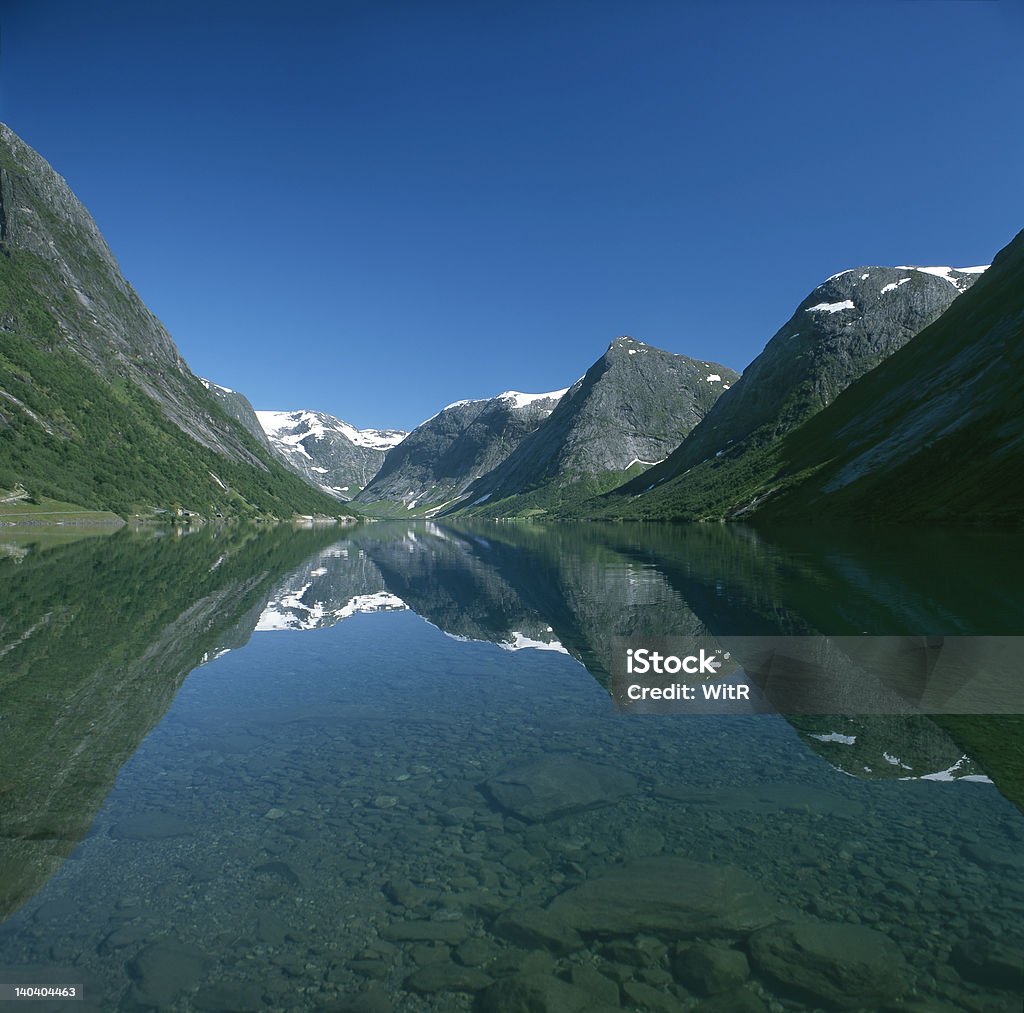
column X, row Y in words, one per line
column 376, row 208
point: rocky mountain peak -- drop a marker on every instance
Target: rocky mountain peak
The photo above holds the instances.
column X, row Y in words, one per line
column 630, row 410
column 433, row 466
column 842, row 329
column 328, row 452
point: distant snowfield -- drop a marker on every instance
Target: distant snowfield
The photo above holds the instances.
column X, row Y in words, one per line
column 521, row 400
column 291, row 428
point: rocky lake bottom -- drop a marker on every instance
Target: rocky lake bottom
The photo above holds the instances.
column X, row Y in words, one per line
column 378, row 817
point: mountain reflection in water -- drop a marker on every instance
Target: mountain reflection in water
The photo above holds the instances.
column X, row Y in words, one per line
column 391, row 779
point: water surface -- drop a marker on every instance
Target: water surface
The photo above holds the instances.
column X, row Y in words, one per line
column 297, row 771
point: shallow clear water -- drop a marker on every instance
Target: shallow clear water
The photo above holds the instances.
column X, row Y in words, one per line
column 370, row 803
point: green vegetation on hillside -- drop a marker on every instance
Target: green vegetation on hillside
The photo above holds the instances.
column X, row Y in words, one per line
column 709, row 491
column 18, row 507
column 97, row 408
column 68, row 434
column 552, row 497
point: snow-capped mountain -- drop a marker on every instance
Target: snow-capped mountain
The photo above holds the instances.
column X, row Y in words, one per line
column 935, row 432
column 329, row 453
column 843, row 329
column 443, row 455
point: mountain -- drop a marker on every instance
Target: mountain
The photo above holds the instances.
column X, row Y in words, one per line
column 330, row 454
column 843, row 329
column 630, row 410
column 97, row 407
column 435, row 464
column 935, row 433
column 238, row 407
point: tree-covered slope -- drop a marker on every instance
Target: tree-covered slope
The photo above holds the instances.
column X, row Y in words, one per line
column 96, row 405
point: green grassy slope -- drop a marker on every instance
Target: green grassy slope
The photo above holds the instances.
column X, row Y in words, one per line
column 75, row 437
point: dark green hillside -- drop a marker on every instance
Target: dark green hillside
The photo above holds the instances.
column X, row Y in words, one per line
column 109, row 447
column 936, row 433
column 97, row 407
column 844, row 328
column 933, row 434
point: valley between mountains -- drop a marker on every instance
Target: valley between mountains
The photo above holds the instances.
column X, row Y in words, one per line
column 891, row 394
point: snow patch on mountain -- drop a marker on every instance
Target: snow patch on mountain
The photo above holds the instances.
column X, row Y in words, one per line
column 290, row 428
column 947, row 273
column 893, row 285
column 517, row 399
column 520, row 400
column 210, row 385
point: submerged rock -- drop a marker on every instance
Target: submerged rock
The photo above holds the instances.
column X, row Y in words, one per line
column 165, row 968
column 229, row 997
column 539, row 993
column 640, row 995
column 845, row 966
column 667, row 896
column 739, row 1000
column 447, row 977
column 450, row 932
column 557, row 785
column 603, row 989
column 990, row 963
column 709, row 970
column 535, row 928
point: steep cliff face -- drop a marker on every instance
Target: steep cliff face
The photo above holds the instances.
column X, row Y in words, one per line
column 435, row 464
column 237, row 406
column 935, row 433
column 843, row 329
column 95, row 311
column 630, row 410
column 97, row 406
